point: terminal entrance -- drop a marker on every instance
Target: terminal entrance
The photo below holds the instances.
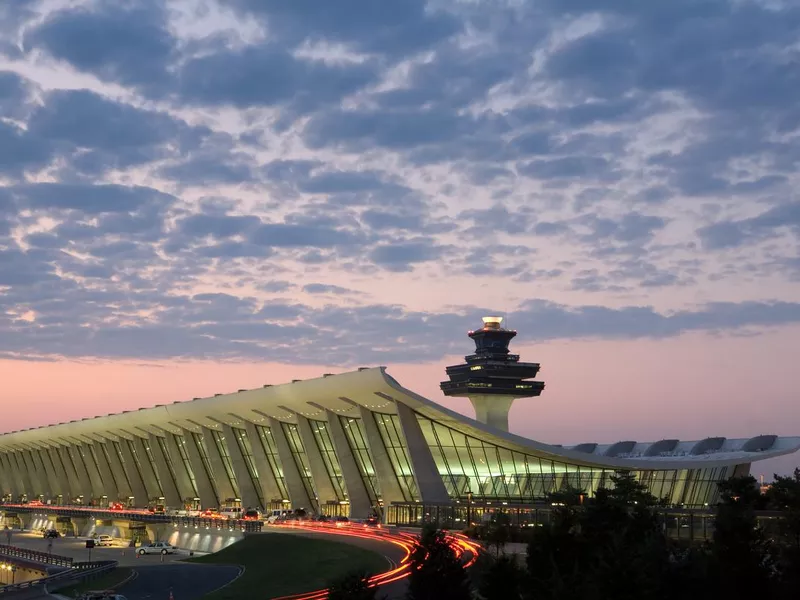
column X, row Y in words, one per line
column 335, row 508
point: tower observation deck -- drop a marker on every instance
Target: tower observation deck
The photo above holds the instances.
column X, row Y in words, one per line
column 492, row 378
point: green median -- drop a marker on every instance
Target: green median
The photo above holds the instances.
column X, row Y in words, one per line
column 278, row 564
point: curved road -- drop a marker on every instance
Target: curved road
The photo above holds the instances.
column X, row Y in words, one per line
column 186, row 581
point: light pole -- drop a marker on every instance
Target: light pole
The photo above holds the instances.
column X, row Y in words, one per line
column 469, row 509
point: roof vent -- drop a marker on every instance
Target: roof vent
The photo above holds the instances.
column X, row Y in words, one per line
column 215, row 395
column 266, row 385
column 363, row 368
column 296, row 380
column 242, row 390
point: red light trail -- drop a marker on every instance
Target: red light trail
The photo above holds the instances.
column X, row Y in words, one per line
column 462, row 546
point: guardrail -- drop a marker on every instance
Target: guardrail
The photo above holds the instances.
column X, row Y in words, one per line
column 77, row 571
column 35, row 556
column 246, row 526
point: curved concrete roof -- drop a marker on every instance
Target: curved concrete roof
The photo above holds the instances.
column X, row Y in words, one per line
column 376, row 390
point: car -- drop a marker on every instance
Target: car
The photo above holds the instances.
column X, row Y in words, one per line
column 372, row 521
column 116, row 506
column 156, row 548
column 104, row 540
column 102, row 595
column 211, row 513
column 157, row 509
column 51, row 534
column 252, row 514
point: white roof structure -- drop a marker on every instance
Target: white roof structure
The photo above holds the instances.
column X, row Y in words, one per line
column 376, row 390
column 355, row 395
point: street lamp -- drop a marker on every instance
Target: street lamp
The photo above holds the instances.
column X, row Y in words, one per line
column 469, row 509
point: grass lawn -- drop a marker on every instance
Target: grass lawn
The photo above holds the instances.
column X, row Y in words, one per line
column 104, row 582
column 277, row 564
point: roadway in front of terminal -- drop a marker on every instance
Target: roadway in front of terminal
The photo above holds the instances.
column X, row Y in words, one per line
column 157, row 575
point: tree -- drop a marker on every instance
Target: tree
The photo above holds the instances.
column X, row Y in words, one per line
column 741, row 552
column 784, row 495
column 353, row 586
column 436, row 571
column 498, row 532
column 502, row 580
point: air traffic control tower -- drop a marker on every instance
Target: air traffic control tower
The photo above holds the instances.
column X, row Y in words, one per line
column 492, row 378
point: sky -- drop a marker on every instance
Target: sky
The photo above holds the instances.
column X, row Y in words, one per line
column 198, row 196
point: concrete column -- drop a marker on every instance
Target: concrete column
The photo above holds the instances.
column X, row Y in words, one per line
column 266, row 478
column 247, row 488
column 47, row 484
column 294, row 483
column 224, row 486
column 205, row 489
column 120, row 474
column 33, row 473
column 429, row 482
column 113, row 481
column 141, row 494
column 183, row 481
column 27, row 482
column 92, row 472
column 387, row 477
column 322, row 481
column 61, row 474
column 169, row 486
column 11, row 484
column 149, row 476
column 360, row 502
column 85, row 484
column 71, row 473
column 53, row 480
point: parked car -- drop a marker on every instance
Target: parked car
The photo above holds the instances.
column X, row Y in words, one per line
column 104, row 540
column 156, row 548
column 51, row 534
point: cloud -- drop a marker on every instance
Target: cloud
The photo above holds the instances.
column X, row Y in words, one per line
column 732, row 234
column 268, row 75
column 384, row 29
column 108, row 134
column 116, row 41
column 601, row 156
column 92, row 199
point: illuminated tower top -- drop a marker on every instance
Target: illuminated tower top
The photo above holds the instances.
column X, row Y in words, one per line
column 492, row 378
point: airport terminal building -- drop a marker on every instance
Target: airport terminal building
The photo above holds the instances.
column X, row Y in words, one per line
column 354, row 444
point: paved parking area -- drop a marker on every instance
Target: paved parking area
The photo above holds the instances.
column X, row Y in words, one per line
column 75, row 548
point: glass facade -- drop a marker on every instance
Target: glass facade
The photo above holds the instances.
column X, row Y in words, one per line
column 151, row 459
column 247, row 453
column 357, row 440
column 225, row 455
column 162, row 444
column 300, row 459
column 473, row 468
column 480, row 472
column 390, row 430
column 107, row 456
column 121, row 458
column 200, row 444
column 322, row 436
column 180, row 442
column 137, row 463
column 268, row 444
column 96, row 463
